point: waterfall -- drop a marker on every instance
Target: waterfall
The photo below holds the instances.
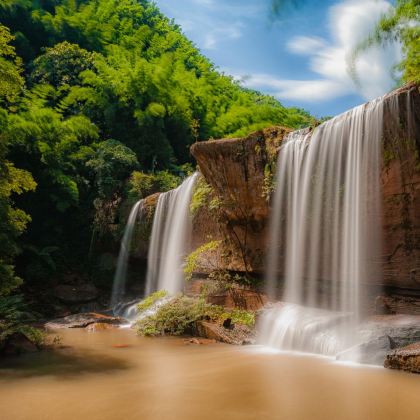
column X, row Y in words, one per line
column 118, row 289
column 324, row 235
column 170, row 240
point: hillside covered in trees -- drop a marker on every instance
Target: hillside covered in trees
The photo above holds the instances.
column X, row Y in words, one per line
column 100, row 100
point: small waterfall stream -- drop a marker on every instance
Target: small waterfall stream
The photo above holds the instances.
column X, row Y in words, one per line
column 325, row 239
column 170, row 241
column 120, row 277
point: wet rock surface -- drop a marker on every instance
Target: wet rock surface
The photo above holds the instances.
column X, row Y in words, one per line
column 381, row 334
column 236, row 334
column 372, row 352
column 100, row 326
column 397, row 304
column 405, row 358
column 83, row 320
column 237, row 296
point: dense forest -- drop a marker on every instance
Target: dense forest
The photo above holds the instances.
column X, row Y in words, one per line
column 99, row 101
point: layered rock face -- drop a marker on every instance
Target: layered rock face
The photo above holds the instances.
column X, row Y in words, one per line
column 239, row 171
column 401, row 189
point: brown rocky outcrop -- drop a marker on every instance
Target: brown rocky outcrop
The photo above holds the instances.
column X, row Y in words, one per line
column 236, row 335
column 401, row 188
column 240, row 173
column 397, row 304
column 406, row 358
column 235, row 168
column 100, row 326
column 236, row 296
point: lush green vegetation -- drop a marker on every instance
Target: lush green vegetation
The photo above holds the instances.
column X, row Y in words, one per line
column 179, row 315
column 100, row 101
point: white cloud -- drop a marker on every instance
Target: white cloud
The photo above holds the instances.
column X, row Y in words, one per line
column 305, row 44
column 301, row 90
column 216, row 35
column 350, row 21
column 212, row 22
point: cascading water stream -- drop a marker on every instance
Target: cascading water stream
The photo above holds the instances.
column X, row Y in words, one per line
column 325, row 226
column 170, row 240
column 120, row 277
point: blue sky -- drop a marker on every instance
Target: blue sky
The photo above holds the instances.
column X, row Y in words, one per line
column 299, row 58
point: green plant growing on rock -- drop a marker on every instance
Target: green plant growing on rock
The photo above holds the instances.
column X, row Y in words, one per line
column 201, row 195
column 14, row 319
column 269, row 184
column 179, row 317
column 191, row 261
column 147, row 303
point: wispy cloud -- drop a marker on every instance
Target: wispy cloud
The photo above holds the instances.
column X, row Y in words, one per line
column 350, row 21
column 217, row 35
column 305, row 44
column 213, row 22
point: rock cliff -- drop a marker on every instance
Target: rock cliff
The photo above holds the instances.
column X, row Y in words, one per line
column 240, row 174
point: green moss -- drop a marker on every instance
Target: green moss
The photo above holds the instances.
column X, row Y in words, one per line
column 148, row 302
column 191, row 261
column 240, row 316
column 178, row 317
column 269, row 182
column 201, row 194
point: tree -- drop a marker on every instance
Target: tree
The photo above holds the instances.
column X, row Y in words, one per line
column 61, row 65
column 13, row 181
column 11, row 80
column 400, row 23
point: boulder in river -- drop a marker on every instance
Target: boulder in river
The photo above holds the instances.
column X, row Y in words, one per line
column 406, row 358
column 83, row 320
column 236, row 334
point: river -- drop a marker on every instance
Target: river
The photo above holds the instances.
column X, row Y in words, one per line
column 113, row 375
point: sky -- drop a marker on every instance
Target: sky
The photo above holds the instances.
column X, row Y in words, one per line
column 299, row 57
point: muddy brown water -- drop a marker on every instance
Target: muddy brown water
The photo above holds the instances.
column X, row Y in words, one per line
column 114, row 374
